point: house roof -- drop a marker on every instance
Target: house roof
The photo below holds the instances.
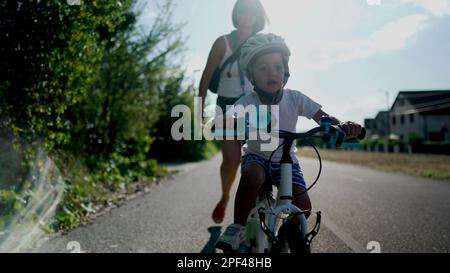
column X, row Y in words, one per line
column 421, row 101
column 381, row 114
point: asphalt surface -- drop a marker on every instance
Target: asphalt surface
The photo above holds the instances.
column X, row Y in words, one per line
column 363, row 210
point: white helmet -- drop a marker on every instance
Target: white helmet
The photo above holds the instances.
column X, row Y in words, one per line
column 260, row 44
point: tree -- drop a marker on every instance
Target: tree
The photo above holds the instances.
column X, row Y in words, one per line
column 50, row 54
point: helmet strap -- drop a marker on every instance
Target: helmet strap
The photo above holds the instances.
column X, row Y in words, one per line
column 271, row 98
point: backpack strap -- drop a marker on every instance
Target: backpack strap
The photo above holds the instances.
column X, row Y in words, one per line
column 233, row 57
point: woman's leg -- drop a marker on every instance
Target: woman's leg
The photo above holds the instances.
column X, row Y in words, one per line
column 231, row 158
column 252, row 178
column 231, row 155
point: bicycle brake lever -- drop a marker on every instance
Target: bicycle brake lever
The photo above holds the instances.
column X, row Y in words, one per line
column 362, row 134
column 335, row 136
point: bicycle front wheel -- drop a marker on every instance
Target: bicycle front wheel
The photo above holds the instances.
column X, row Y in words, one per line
column 291, row 234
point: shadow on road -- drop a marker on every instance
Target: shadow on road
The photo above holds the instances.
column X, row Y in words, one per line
column 214, row 235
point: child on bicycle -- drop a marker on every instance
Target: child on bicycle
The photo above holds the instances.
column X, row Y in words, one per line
column 264, row 58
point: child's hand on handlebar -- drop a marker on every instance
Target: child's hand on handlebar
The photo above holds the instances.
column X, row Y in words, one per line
column 351, row 129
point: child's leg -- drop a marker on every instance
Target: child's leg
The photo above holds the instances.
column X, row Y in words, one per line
column 252, row 178
column 302, row 201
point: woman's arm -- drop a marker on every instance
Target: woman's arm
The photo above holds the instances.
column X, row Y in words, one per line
column 215, row 56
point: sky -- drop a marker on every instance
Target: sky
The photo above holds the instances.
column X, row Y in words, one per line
column 351, row 56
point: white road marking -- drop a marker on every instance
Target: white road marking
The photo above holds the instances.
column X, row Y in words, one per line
column 356, row 179
column 344, row 236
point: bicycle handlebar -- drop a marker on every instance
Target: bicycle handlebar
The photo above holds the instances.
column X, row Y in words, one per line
column 333, row 134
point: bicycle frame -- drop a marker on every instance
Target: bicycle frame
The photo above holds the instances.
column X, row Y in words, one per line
column 261, row 231
column 262, row 226
column 258, row 240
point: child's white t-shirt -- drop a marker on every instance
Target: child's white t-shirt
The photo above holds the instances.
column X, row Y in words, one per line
column 292, row 105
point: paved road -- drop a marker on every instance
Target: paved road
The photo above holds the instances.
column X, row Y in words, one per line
column 359, row 205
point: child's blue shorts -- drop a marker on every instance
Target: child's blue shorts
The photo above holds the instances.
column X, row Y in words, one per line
column 297, row 175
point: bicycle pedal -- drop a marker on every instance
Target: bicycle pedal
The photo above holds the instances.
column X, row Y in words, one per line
column 226, row 247
column 231, row 251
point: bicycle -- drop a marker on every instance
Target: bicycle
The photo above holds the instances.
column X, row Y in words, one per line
column 270, row 227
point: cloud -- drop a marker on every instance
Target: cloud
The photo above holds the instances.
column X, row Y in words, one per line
column 435, row 7
column 397, row 34
column 314, row 21
column 393, row 36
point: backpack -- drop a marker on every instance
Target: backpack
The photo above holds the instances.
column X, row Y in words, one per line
column 215, row 79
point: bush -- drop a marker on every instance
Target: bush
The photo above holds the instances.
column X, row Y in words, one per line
column 414, row 139
column 165, row 147
column 83, row 86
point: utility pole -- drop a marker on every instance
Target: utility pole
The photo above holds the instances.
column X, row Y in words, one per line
column 387, row 100
column 388, row 120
